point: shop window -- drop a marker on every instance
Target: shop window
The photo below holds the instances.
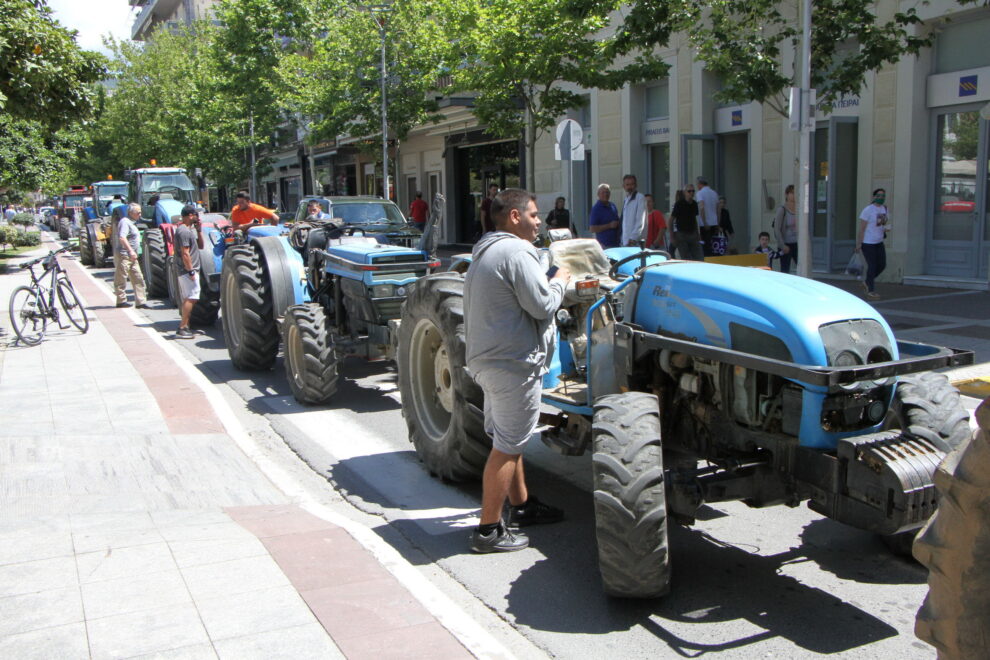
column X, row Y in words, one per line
column 962, row 45
column 658, row 101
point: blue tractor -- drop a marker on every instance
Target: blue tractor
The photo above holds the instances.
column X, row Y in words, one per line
column 696, row 383
column 325, row 290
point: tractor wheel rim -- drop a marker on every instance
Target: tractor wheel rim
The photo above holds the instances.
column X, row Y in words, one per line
column 232, row 310
column 294, row 353
column 431, row 380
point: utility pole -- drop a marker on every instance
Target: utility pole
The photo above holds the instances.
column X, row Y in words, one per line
column 806, row 118
column 254, row 160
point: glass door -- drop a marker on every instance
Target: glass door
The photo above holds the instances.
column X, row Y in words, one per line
column 959, row 232
column 698, row 158
column 834, row 208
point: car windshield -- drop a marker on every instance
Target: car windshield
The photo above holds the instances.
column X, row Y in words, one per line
column 368, row 212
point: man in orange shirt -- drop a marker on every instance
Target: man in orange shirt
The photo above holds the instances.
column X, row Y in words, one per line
column 247, row 214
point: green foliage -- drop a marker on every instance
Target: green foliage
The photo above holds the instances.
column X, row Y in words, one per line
column 524, row 58
column 334, row 74
column 7, row 235
column 26, row 239
column 23, row 219
column 743, row 43
column 44, row 76
column 31, row 156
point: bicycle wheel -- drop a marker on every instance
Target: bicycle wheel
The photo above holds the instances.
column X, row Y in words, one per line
column 27, row 315
column 72, row 306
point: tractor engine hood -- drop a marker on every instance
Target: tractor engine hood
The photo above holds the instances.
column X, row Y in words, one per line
column 755, row 311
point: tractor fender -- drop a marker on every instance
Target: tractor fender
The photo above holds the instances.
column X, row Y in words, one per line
column 168, row 236
column 166, row 210
column 459, row 263
column 286, row 272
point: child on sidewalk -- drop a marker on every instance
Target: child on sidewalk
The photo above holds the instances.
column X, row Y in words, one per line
column 764, row 248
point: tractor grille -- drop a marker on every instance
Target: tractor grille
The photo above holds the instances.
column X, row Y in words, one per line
column 388, row 310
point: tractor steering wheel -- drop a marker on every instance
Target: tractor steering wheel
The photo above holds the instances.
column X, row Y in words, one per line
column 613, row 272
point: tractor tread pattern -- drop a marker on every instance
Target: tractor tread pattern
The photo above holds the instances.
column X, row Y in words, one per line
column 955, row 548
column 257, row 347
column 629, row 495
column 85, row 248
column 153, row 258
column 314, row 381
column 460, row 454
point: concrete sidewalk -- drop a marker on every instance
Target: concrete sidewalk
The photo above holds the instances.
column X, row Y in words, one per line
column 133, row 525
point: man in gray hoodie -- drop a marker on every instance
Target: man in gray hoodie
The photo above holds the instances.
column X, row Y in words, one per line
column 509, row 307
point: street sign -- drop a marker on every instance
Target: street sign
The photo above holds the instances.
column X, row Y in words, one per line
column 569, row 141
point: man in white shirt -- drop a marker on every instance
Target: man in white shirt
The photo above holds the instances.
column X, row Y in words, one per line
column 707, row 211
column 633, row 212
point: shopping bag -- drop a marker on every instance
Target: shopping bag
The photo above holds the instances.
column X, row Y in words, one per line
column 718, row 243
column 857, row 266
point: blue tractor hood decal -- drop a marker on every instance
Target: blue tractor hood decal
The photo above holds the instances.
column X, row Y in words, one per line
column 165, row 209
column 700, row 301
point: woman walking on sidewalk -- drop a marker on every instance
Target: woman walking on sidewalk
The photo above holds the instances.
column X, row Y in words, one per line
column 874, row 224
column 126, row 260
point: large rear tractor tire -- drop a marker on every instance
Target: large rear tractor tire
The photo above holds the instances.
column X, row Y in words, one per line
column 153, row 256
column 928, row 406
column 630, row 500
column 249, row 327
column 172, row 277
column 443, row 406
column 85, row 247
column 63, row 228
column 310, row 358
column 955, row 547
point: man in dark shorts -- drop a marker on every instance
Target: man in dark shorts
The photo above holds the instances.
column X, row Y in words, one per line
column 509, row 307
column 188, row 243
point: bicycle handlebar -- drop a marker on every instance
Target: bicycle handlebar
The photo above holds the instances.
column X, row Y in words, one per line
column 51, row 253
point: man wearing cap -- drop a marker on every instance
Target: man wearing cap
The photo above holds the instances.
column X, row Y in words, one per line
column 188, row 243
column 248, row 214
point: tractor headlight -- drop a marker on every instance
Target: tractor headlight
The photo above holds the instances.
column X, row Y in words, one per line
column 846, row 359
column 401, row 291
column 382, row 290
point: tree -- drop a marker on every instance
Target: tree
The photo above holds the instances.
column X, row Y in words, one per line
column 32, row 157
column 522, row 58
column 44, row 76
column 334, row 76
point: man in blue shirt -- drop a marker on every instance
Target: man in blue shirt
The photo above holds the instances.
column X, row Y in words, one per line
column 604, row 221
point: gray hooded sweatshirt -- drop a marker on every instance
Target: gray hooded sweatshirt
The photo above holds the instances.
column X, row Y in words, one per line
column 509, row 307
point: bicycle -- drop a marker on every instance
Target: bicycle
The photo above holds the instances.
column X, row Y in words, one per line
column 32, row 306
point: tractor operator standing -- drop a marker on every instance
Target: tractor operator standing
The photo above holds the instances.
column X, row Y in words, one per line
column 248, row 214
column 189, row 241
column 509, row 308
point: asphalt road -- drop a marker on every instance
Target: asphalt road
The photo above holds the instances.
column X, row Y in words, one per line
column 775, row 582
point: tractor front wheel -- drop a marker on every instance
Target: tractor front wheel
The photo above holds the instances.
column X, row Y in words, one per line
column 443, row 406
column 310, row 358
column 926, row 405
column 630, row 500
column 249, row 328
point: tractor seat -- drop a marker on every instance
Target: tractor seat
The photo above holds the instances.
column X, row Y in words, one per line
column 585, row 258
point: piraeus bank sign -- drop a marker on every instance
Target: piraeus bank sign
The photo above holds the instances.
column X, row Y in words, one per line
column 959, row 87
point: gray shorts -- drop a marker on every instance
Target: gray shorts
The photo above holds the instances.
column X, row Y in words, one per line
column 188, row 287
column 512, row 408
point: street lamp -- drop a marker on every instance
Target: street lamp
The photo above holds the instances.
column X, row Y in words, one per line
column 379, row 12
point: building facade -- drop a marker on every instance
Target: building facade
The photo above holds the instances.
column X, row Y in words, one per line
column 918, row 128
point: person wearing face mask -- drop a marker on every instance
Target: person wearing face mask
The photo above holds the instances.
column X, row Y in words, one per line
column 874, row 223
